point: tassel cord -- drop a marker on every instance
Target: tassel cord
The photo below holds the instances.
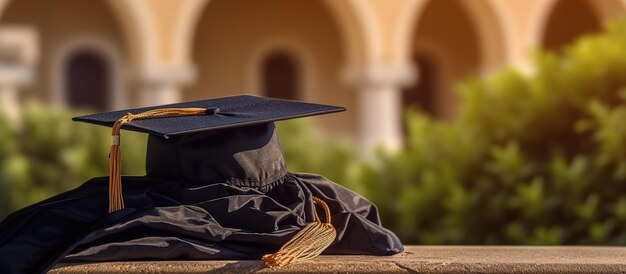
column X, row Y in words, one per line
column 116, row 199
column 308, row 243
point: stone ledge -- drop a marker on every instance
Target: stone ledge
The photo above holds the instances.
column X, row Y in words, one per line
column 416, row 259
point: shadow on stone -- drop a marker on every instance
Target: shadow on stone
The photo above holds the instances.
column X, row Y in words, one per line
column 251, row 266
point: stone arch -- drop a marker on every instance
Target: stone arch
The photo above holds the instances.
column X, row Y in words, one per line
column 306, row 66
column 433, row 102
column 111, row 56
column 359, row 31
column 493, row 22
column 280, row 75
column 87, row 75
column 61, row 24
column 139, row 30
column 123, row 27
column 225, row 49
column 544, row 16
column 138, row 26
column 461, row 38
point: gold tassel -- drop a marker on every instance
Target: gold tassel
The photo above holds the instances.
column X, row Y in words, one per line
column 307, row 244
column 116, row 199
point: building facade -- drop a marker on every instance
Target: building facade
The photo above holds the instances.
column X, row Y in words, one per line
column 373, row 56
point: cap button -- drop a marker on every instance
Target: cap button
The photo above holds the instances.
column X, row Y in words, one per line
column 212, row 111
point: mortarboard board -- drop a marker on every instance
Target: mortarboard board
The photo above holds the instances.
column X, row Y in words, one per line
column 219, row 113
column 216, row 187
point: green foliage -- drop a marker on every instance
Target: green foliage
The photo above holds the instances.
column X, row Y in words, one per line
column 536, row 158
column 307, row 150
column 44, row 153
column 533, row 158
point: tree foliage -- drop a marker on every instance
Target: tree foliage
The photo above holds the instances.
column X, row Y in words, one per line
column 533, row 158
column 43, row 153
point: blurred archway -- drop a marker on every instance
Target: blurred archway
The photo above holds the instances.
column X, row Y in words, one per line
column 281, row 76
column 233, row 37
column 59, row 24
column 452, row 40
column 87, row 80
column 567, row 20
column 421, row 95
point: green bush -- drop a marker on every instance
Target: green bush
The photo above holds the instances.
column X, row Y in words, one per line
column 308, row 150
column 535, row 158
column 44, row 153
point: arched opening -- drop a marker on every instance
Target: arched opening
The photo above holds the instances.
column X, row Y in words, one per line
column 281, row 76
column 232, row 37
column 567, row 21
column 87, row 80
column 58, row 24
column 447, row 46
column 421, row 94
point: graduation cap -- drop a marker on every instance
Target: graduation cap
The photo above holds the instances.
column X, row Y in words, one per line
column 216, row 114
column 194, row 117
column 216, row 187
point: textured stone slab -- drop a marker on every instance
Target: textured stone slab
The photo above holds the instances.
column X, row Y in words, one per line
column 416, row 259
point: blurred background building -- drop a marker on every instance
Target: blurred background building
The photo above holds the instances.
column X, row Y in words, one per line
column 373, row 56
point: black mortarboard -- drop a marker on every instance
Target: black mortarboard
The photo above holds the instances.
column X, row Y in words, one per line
column 216, row 187
column 221, row 113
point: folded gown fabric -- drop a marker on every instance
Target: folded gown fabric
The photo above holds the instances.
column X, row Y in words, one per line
column 239, row 203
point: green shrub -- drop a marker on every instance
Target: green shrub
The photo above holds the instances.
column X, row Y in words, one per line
column 536, row 158
column 44, row 153
column 533, row 158
column 308, row 150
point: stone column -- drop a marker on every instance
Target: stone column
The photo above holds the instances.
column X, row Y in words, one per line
column 19, row 56
column 9, row 102
column 164, row 85
column 12, row 80
column 379, row 117
column 159, row 94
column 380, row 105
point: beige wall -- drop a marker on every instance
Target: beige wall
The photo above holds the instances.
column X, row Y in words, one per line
column 349, row 49
column 62, row 25
column 227, row 53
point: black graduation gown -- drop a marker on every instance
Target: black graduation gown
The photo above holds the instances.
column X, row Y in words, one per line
column 215, row 195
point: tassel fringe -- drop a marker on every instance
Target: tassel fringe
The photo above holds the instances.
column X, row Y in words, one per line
column 307, row 244
column 116, row 202
column 116, row 199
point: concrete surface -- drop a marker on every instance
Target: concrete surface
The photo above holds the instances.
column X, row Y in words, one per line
column 416, row 259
